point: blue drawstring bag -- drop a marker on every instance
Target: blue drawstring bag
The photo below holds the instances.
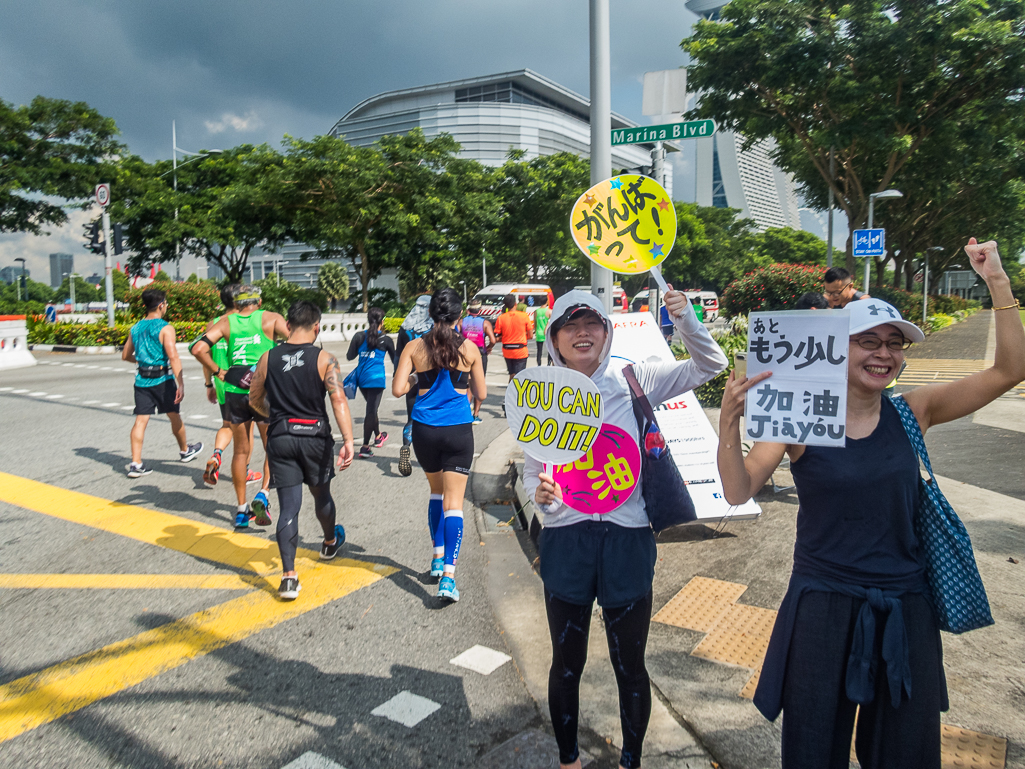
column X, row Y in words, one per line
column 956, row 592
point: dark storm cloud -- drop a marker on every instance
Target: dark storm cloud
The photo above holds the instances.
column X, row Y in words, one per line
column 230, row 72
column 296, row 67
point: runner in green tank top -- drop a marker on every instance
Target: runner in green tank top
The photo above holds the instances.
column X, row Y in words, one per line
column 249, row 333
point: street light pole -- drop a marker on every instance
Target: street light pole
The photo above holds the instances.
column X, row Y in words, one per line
column 175, row 149
column 21, row 277
column 601, row 126
column 885, row 194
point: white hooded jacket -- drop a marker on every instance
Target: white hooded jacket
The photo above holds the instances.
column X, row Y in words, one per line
column 660, row 382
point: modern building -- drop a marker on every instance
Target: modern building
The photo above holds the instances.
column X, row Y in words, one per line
column 60, row 265
column 10, row 274
column 95, row 279
column 730, row 176
column 488, row 116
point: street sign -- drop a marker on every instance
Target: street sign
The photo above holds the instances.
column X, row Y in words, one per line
column 103, row 194
column 869, row 242
column 692, row 129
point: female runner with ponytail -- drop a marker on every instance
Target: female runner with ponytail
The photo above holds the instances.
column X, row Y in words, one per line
column 371, row 346
column 443, row 365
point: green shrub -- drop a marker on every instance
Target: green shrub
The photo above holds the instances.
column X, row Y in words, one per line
column 909, row 305
column 392, row 325
column 186, row 302
column 278, row 295
column 98, row 334
column 15, row 307
column 710, row 393
column 776, row 287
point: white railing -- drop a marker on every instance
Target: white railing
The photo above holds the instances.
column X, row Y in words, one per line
column 14, row 352
column 341, row 326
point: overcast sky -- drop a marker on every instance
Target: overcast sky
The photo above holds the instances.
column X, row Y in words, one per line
column 231, row 72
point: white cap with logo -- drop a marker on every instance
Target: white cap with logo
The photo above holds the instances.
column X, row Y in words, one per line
column 869, row 313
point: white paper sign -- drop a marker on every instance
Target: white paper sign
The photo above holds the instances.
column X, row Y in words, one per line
column 686, row 429
column 554, row 413
column 805, row 399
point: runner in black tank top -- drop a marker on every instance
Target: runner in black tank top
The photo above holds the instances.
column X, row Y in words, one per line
column 289, row 386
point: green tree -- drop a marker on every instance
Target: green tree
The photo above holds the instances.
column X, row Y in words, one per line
column 224, row 207
column 874, row 80
column 333, row 281
column 162, row 277
column 51, row 149
column 783, row 245
column 278, row 295
column 713, row 247
column 537, row 197
column 84, row 292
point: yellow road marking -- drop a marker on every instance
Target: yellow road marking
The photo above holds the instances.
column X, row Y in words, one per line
column 130, row 581
column 211, row 543
column 45, row 696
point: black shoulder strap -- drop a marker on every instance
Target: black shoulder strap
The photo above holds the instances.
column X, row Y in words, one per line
column 642, row 408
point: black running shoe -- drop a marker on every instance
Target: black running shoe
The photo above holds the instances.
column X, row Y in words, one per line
column 405, row 466
column 327, row 552
column 289, row 589
column 137, row 471
column 191, row 450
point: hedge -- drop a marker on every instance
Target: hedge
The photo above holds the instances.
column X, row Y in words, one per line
column 98, row 334
column 186, row 302
column 392, row 325
column 776, row 287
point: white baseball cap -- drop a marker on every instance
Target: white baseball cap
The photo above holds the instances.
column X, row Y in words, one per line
column 869, row 313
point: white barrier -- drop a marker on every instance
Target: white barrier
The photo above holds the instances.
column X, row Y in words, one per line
column 341, row 326
column 14, row 352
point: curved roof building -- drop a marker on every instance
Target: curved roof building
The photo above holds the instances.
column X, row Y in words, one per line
column 489, row 116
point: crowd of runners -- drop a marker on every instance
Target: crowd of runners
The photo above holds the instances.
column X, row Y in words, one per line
column 855, row 628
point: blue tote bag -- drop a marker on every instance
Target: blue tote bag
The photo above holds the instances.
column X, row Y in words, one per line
column 957, row 594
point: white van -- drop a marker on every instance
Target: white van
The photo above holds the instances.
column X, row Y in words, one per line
column 533, row 295
column 618, row 297
column 709, row 302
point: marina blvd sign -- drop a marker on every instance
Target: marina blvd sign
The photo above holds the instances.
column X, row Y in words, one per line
column 692, row 129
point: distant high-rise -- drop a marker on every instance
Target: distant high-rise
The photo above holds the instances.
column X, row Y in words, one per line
column 10, row 274
column 60, row 266
column 731, row 177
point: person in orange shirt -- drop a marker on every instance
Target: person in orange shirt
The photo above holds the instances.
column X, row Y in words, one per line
column 513, row 327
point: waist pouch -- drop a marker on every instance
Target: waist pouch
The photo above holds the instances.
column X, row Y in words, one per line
column 310, row 428
column 240, row 376
column 513, row 346
column 153, row 372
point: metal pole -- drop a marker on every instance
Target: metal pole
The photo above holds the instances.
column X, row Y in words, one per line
column 925, row 288
column 871, row 211
column 109, row 278
column 484, row 269
column 174, row 177
column 829, row 226
column 71, row 281
column 601, row 126
column 657, row 173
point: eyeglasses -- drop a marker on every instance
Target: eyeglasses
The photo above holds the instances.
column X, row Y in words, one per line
column 840, row 291
column 874, row 343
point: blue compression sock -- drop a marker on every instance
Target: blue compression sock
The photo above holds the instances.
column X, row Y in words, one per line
column 453, row 539
column 435, row 516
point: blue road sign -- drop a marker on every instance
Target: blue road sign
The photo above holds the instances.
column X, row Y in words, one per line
column 869, row 242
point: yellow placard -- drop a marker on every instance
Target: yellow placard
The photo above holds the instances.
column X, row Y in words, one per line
column 626, row 224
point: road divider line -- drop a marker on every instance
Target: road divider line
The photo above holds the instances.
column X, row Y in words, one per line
column 45, row 696
column 200, row 540
column 129, row 581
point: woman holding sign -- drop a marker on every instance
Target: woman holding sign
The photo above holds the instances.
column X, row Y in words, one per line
column 446, row 365
column 856, row 627
column 601, row 546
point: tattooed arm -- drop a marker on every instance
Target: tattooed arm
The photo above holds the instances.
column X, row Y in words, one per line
column 257, row 389
column 331, row 372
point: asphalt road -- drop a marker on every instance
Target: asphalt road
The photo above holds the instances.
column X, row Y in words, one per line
column 306, row 683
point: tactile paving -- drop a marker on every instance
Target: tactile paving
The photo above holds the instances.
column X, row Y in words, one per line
column 965, row 749
column 748, row 692
column 740, row 637
column 700, row 604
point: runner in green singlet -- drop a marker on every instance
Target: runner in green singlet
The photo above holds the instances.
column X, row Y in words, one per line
column 249, row 332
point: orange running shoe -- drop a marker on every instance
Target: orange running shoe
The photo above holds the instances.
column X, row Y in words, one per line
column 213, row 470
column 253, row 477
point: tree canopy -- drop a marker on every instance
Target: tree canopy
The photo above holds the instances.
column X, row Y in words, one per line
column 50, row 149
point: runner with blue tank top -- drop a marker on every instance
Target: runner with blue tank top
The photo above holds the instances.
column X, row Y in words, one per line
column 478, row 330
column 443, row 366
column 159, row 384
column 372, row 346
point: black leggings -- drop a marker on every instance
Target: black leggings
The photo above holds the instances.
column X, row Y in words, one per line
column 626, row 629
column 290, row 499
column 410, row 402
column 371, row 425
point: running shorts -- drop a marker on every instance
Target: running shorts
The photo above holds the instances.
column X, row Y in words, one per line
column 597, row 559
column 447, row 448
column 296, row 459
column 158, row 399
column 225, row 417
column 238, row 409
column 515, row 365
column 484, row 359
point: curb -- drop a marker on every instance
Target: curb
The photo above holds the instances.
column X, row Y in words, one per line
column 90, row 349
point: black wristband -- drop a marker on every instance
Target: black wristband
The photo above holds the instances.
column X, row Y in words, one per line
column 211, row 384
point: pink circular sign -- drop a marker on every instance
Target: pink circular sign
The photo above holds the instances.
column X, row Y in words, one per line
column 605, row 477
